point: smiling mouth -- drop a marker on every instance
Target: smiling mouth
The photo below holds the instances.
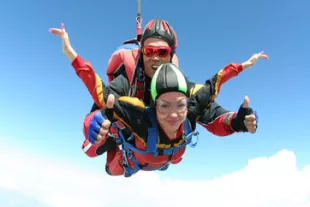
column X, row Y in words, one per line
column 154, row 67
column 172, row 122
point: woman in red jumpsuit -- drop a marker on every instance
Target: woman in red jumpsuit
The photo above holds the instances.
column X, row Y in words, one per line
column 154, row 137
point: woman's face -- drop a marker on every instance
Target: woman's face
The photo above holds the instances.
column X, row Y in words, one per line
column 171, row 111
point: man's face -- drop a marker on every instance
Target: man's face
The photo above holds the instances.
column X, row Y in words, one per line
column 155, row 52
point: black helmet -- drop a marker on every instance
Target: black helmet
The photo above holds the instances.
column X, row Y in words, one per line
column 159, row 28
column 168, row 78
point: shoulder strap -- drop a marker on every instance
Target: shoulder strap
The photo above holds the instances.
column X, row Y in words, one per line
column 152, row 132
column 187, row 127
column 189, row 133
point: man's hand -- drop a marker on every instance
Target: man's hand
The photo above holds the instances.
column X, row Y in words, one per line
column 66, row 45
column 250, row 62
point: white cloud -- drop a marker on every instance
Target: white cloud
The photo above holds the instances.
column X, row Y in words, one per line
column 273, row 181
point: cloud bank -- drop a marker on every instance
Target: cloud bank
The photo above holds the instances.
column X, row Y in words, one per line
column 268, row 181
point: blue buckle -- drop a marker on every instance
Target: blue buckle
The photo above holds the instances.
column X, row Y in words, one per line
column 130, row 137
column 155, row 154
column 129, row 155
column 193, row 144
column 176, row 149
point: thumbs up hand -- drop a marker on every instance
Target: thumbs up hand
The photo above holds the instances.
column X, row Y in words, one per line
column 245, row 119
column 101, row 122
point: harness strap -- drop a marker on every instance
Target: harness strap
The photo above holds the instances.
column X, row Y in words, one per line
column 140, row 82
column 189, row 133
column 152, row 133
column 137, row 84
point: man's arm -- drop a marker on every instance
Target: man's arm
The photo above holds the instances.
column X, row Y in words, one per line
column 202, row 95
column 213, row 85
column 118, row 87
column 225, row 74
column 91, row 80
column 97, row 89
column 232, row 70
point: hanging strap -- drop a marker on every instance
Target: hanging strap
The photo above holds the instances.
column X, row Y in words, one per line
column 139, row 21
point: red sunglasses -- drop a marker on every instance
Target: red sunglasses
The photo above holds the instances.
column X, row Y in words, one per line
column 162, row 51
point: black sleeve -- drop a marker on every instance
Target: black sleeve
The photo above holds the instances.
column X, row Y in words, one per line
column 119, row 87
column 201, row 96
column 131, row 112
column 212, row 113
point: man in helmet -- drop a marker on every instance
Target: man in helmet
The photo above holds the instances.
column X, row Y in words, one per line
column 136, row 68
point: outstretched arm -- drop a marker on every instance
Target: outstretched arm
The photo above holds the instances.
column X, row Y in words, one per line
column 202, row 95
column 87, row 74
column 83, row 68
column 230, row 71
column 66, row 45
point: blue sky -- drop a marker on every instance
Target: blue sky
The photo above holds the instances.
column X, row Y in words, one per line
column 43, row 101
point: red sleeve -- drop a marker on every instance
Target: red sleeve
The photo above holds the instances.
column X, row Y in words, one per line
column 228, row 72
column 91, row 80
column 221, row 126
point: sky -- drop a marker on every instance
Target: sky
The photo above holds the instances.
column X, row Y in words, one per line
column 43, row 102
